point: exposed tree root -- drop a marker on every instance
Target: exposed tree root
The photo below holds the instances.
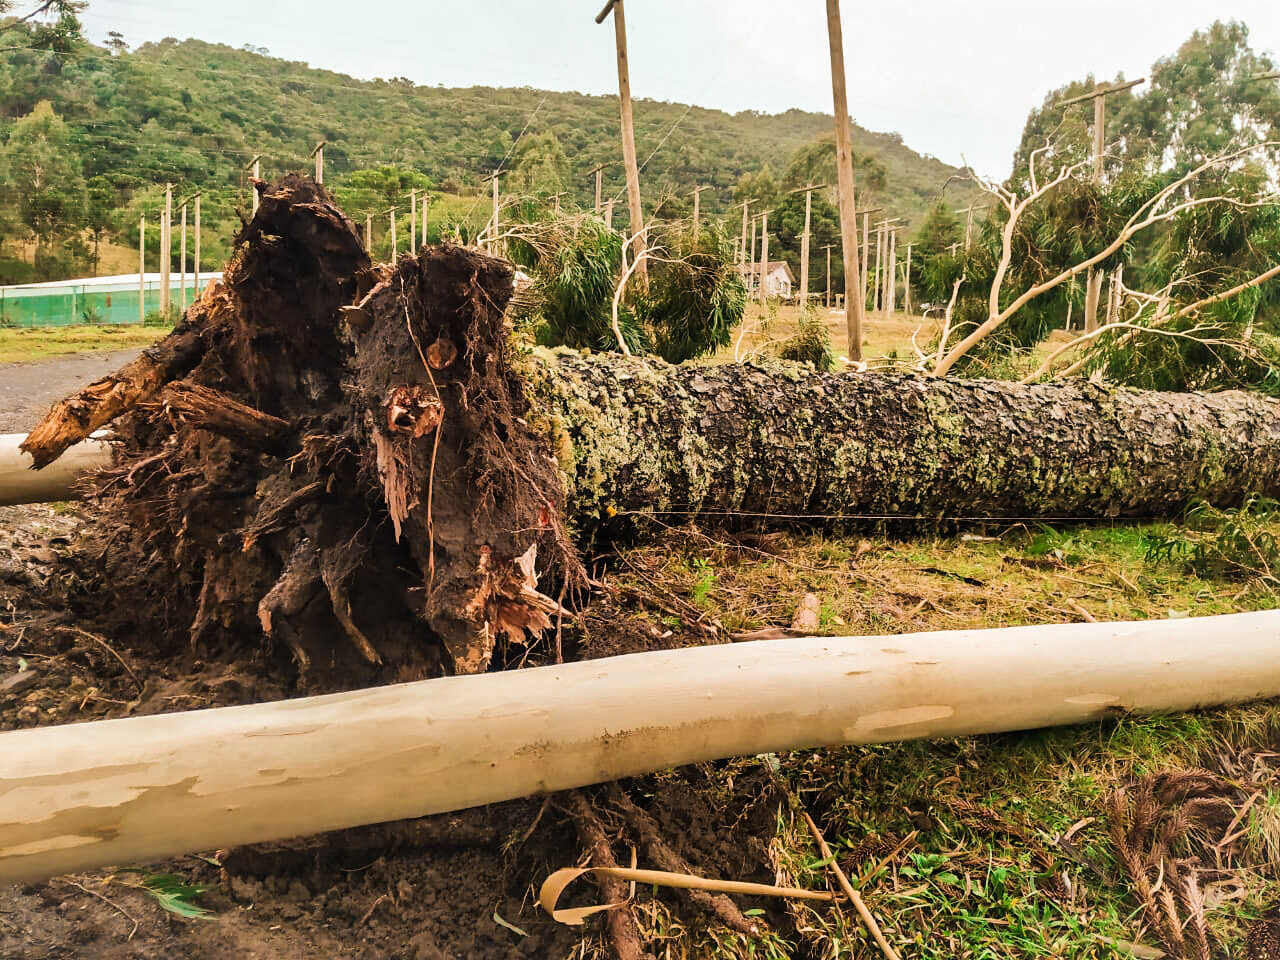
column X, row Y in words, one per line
column 718, row 906
column 333, row 454
column 620, row 922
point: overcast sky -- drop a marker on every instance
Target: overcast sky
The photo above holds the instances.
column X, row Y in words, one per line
column 955, row 79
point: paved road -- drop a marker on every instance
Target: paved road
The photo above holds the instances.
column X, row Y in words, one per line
column 28, row 389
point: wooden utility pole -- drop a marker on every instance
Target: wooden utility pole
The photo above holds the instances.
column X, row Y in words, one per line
column 864, row 266
column 891, row 276
column 697, row 203
column 142, row 269
column 805, row 237
column 906, row 286
column 598, row 170
column 368, row 232
column 764, row 255
column 413, row 220
column 968, row 223
column 742, row 246
column 844, row 166
column 318, row 153
column 753, row 238
column 166, row 249
column 255, row 170
column 1093, row 285
column 182, row 260
column 608, row 214
column 392, row 214
column 877, row 288
column 493, row 235
column 196, row 265
column 628, row 137
column 828, row 249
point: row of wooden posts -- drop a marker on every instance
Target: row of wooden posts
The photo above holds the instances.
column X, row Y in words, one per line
column 166, row 252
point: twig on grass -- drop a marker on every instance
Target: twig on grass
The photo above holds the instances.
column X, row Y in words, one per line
column 852, row 894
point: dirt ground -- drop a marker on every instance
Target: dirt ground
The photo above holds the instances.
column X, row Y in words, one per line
column 27, row 389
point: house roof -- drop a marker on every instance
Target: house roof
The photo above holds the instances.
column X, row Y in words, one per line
column 753, row 269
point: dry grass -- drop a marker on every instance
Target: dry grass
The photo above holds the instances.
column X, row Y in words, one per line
column 28, row 344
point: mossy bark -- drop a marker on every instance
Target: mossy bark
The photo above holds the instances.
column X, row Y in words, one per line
column 782, row 441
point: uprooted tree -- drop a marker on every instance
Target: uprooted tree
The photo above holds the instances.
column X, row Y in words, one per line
column 358, row 462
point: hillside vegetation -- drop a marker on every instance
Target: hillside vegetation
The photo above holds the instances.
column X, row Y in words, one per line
column 123, row 123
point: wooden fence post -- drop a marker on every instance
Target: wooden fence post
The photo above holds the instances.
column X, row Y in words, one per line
column 392, row 214
column 368, row 233
column 413, row 220
column 166, row 249
column 426, row 202
column 255, row 174
column 196, row 264
column 182, row 260
column 318, row 153
column 142, row 269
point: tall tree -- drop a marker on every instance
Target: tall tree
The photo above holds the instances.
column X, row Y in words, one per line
column 44, row 179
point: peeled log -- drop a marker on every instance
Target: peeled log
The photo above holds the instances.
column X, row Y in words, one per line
column 19, row 483
column 80, row 797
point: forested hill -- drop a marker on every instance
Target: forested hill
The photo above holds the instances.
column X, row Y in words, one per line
column 195, row 113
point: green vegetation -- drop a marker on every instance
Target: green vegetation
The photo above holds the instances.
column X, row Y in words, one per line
column 1200, row 103
column 694, row 298
column 28, row 344
column 195, row 114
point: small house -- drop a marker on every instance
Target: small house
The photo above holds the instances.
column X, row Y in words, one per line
column 778, row 279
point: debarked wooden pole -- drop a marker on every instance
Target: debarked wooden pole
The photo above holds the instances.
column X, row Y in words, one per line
column 88, row 795
column 20, row 484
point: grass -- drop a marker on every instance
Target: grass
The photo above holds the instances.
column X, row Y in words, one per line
column 891, row 342
column 28, row 344
column 980, row 873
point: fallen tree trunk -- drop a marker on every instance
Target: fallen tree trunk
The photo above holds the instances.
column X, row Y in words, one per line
column 733, row 439
column 19, row 483
column 362, row 466
column 80, row 797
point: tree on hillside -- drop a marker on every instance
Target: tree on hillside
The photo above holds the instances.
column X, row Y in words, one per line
column 937, row 266
column 43, row 180
column 62, row 31
column 539, row 166
column 375, row 189
column 102, row 200
column 816, row 163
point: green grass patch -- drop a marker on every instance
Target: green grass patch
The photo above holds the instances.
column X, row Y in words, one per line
column 29, row 344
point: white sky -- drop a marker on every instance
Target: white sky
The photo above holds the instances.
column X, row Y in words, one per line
column 955, row 79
